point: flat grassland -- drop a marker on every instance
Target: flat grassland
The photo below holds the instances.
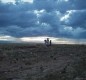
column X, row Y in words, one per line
column 38, row 62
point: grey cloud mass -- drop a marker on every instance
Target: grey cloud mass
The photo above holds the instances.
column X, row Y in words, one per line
column 76, row 18
column 57, row 18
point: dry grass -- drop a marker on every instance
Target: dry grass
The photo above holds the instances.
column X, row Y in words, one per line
column 38, row 62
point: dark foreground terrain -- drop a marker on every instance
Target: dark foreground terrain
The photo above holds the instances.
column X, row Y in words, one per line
column 38, row 62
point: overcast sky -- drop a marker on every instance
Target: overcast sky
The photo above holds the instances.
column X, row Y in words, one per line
column 54, row 18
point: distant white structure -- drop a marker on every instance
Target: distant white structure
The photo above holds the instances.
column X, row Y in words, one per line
column 48, row 42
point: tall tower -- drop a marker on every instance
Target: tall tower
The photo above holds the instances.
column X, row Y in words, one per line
column 47, row 42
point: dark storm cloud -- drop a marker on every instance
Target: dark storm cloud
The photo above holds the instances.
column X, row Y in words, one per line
column 23, row 19
column 44, row 17
column 16, row 15
column 60, row 5
column 9, row 7
column 50, row 18
column 76, row 18
column 78, row 4
column 64, row 5
column 48, row 5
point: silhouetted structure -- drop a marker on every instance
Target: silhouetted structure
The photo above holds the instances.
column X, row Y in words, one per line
column 48, row 42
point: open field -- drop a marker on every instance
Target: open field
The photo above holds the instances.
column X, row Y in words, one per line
column 38, row 62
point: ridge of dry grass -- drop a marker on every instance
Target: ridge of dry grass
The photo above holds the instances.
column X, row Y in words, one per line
column 38, row 62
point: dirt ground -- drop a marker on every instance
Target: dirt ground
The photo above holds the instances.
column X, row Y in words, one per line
column 38, row 62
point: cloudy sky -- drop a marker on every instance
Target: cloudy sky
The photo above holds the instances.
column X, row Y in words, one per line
column 20, row 19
